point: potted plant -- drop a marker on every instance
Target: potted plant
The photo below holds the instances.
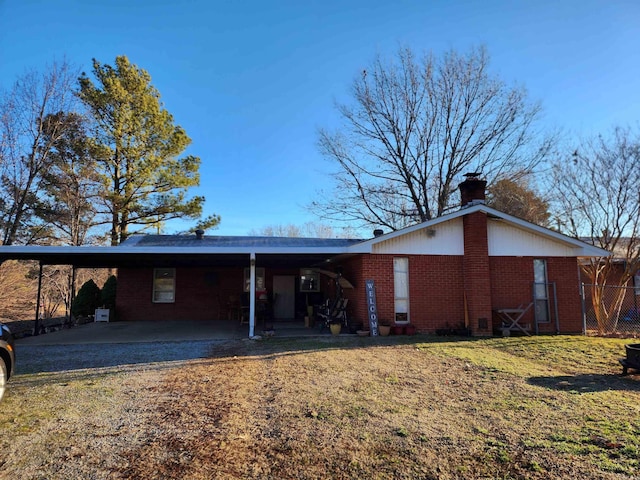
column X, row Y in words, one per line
column 384, row 328
column 410, row 329
column 335, row 326
column 397, row 329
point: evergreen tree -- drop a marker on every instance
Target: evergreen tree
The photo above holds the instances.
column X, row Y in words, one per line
column 137, row 147
column 87, row 299
column 108, row 293
column 70, row 183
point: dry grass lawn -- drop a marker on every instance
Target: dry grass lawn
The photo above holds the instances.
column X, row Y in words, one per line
column 403, row 407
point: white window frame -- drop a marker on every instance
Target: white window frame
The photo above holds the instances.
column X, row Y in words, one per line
column 164, row 292
column 541, row 291
column 401, row 290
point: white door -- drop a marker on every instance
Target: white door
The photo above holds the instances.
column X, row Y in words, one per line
column 284, row 290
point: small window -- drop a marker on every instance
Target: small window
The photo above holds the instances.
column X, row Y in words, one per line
column 164, row 285
column 309, row 281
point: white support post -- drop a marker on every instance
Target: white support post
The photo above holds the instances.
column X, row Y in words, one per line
column 252, row 295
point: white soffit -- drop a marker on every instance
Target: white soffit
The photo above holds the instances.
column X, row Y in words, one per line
column 507, row 240
column 444, row 238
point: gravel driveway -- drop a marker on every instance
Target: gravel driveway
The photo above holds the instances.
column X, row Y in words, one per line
column 57, row 358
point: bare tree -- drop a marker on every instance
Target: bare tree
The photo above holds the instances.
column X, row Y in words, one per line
column 289, row 230
column 55, row 295
column 414, row 127
column 308, row 230
column 24, row 147
column 17, row 290
column 597, row 195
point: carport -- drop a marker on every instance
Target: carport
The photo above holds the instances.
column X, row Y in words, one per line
column 158, row 251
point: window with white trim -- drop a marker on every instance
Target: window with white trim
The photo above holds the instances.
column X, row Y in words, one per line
column 541, row 291
column 164, row 285
column 401, row 289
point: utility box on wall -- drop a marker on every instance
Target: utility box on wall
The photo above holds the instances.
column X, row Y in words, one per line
column 102, row 315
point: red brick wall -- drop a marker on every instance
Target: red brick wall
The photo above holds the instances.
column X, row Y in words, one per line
column 201, row 294
column 512, row 283
column 435, row 289
column 436, row 286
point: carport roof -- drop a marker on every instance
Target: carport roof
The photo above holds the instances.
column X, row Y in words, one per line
column 183, row 241
column 184, row 250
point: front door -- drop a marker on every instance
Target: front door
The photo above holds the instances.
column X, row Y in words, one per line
column 284, row 290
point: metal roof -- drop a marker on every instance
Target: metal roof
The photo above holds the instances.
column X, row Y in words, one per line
column 187, row 250
column 207, row 241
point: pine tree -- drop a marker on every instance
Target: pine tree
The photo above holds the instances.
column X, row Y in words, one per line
column 137, row 146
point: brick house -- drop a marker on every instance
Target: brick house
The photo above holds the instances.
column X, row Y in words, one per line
column 455, row 271
column 462, row 268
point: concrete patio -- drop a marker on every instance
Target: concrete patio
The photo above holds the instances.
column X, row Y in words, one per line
column 163, row 331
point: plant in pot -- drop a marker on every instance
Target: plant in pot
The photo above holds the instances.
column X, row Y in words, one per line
column 384, row 328
column 397, row 329
column 410, row 329
column 398, row 326
column 363, row 333
column 335, row 326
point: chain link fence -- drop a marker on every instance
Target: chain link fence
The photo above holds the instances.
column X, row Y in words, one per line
column 615, row 313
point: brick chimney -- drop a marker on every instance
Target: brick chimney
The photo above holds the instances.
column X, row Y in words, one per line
column 472, row 190
column 475, row 264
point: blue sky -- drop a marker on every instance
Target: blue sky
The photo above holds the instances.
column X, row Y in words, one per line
column 252, row 81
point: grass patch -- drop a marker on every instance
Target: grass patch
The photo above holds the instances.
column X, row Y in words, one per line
column 404, row 407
